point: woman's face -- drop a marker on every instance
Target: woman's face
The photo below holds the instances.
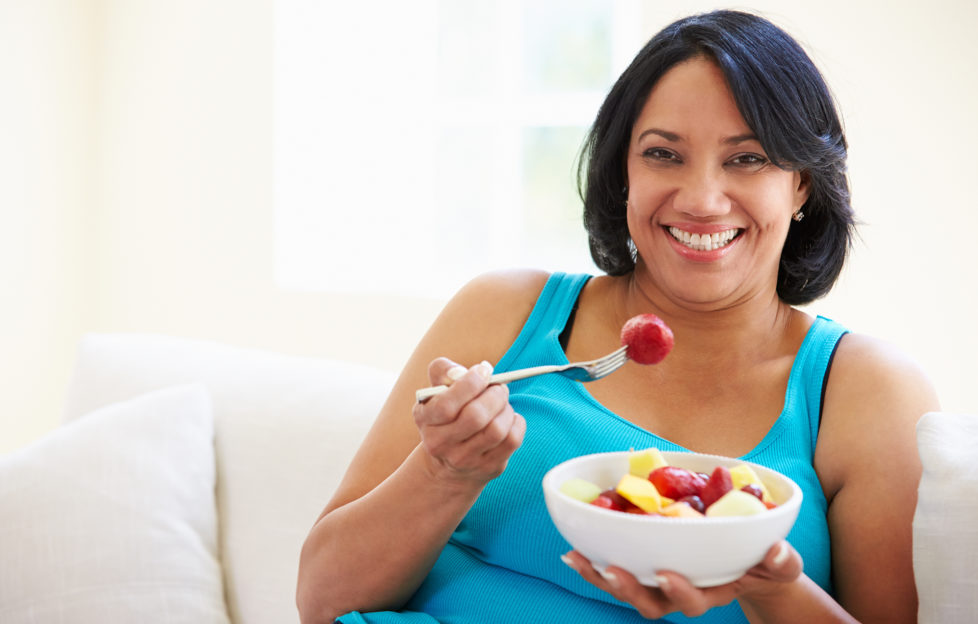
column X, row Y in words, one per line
column 707, row 211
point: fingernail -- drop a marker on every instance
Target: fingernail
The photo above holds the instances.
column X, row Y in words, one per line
column 612, row 578
column 568, row 561
column 782, row 555
column 485, row 369
column 661, row 581
column 456, row 372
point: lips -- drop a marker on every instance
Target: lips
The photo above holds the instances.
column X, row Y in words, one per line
column 704, row 241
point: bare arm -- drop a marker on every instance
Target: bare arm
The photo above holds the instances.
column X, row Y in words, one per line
column 421, row 467
column 868, row 463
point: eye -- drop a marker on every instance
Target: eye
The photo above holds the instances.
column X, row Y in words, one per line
column 661, row 154
column 749, row 161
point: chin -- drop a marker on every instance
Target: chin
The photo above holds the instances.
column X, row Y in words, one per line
column 704, row 300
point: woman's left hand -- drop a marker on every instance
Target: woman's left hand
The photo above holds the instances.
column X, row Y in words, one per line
column 780, row 566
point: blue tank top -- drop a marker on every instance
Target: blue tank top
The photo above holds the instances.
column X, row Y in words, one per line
column 502, row 564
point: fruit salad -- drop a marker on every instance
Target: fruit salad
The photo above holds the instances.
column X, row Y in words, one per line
column 647, row 338
column 653, row 487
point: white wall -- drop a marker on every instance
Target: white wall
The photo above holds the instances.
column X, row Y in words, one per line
column 135, row 194
column 48, row 86
column 136, row 185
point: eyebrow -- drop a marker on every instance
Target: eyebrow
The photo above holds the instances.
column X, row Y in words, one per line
column 665, row 134
column 740, row 138
column 672, row 136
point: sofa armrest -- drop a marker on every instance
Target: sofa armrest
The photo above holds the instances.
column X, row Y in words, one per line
column 945, row 525
column 285, row 429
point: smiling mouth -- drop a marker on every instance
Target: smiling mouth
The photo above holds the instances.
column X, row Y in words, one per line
column 704, row 242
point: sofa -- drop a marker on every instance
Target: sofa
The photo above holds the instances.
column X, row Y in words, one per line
column 186, row 474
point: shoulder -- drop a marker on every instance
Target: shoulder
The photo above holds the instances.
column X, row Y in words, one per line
column 868, row 368
column 486, row 315
column 478, row 323
column 502, row 289
column 874, row 396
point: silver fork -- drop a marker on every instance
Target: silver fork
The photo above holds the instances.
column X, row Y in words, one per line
column 579, row 371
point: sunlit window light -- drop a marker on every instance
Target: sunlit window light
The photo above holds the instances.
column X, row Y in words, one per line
column 419, row 144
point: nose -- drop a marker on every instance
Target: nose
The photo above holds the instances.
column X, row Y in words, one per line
column 701, row 193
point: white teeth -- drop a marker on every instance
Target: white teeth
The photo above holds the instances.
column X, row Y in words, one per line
column 703, row 242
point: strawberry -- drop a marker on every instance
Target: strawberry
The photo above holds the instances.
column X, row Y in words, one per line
column 675, row 482
column 647, row 338
column 720, row 483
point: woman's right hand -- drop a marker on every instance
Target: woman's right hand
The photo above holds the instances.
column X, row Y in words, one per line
column 774, row 590
column 469, row 431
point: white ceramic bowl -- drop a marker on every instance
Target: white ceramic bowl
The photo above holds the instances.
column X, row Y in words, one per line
column 708, row 551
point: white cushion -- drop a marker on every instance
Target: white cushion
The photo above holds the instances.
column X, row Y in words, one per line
column 111, row 518
column 286, row 428
column 945, row 525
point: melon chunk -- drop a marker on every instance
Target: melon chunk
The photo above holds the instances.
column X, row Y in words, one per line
column 580, row 489
column 735, row 503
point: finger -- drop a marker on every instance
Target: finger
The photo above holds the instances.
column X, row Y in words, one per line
column 500, row 453
column 443, row 371
column 693, row 601
column 782, row 563
column 479, row 425
column 649, row 601
column 580, row 564
column 473, row 380
column 485, row 431
column 493, row 462
column 466, row 385
column 513, row 439
column 488, row 419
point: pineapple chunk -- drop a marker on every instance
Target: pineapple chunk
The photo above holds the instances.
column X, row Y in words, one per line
column 744, row 475
column 640, row 492
column 642, row 463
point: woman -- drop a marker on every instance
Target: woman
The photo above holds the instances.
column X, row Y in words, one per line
column 716, row 198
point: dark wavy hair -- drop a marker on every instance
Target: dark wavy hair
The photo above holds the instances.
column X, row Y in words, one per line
column 786, row 103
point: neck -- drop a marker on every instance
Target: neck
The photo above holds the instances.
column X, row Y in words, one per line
column 721, row 334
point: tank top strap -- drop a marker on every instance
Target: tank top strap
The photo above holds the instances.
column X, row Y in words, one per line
column 539, row 340
column 806, row 385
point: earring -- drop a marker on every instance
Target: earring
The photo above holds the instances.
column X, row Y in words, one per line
column 798, row 216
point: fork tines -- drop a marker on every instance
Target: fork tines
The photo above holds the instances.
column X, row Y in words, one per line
column 608, row 364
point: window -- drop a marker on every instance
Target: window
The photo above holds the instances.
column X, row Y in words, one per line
column 419, row 144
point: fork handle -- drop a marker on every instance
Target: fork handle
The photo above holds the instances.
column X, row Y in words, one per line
column 499, row 378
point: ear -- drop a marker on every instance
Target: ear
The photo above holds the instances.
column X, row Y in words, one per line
column 803, row 189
